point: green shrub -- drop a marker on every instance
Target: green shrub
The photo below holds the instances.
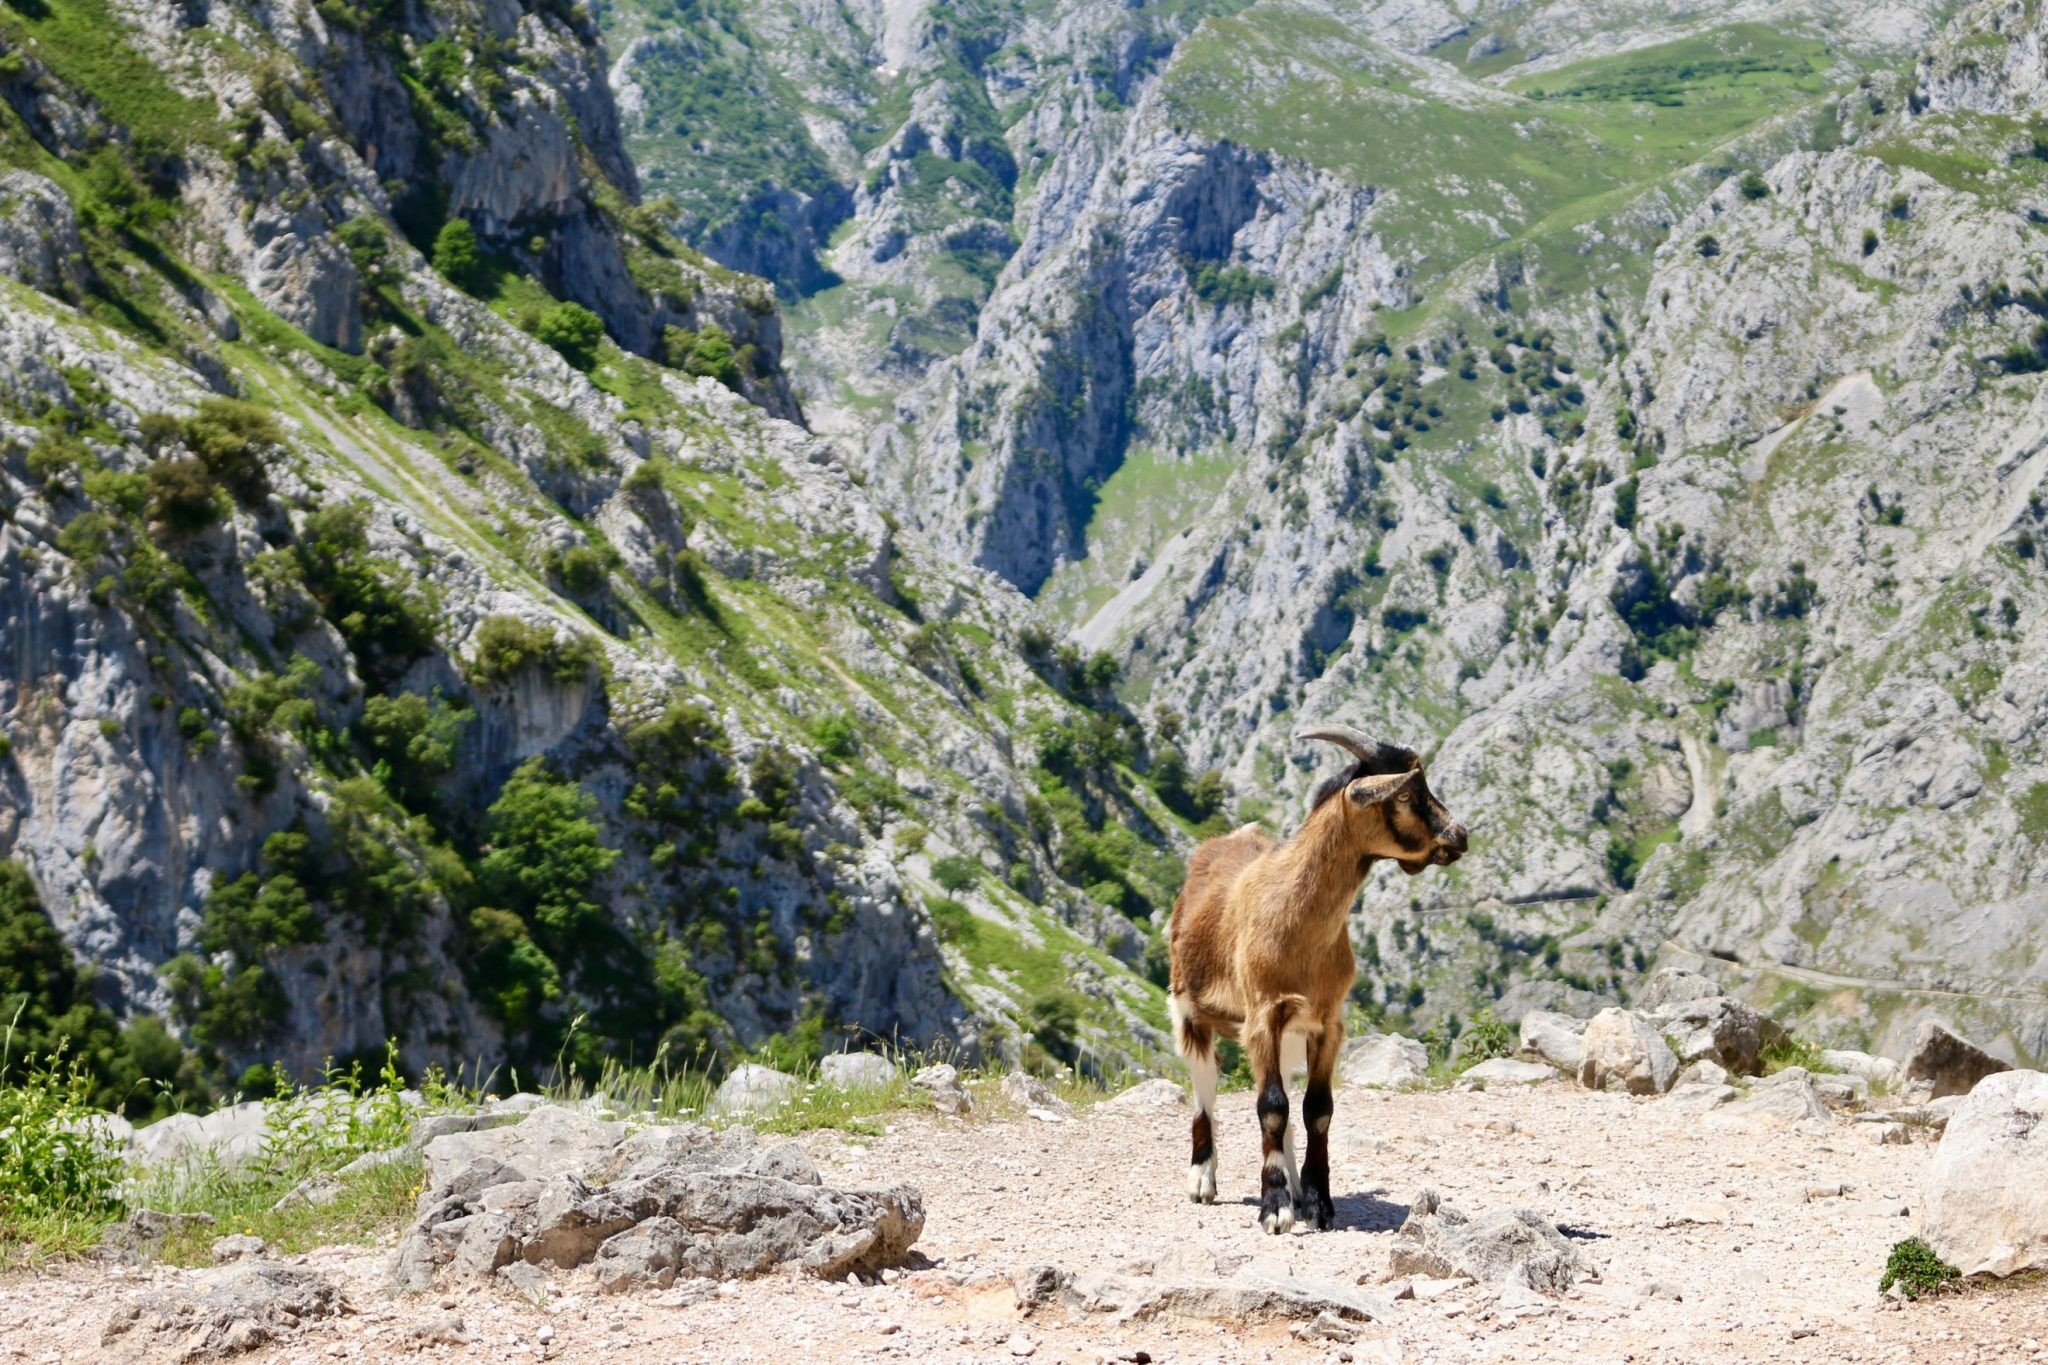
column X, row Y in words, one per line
column 507, row 645
column 232, row 438
column 56, row 1165
column 1916, row 1270
column 956, row 873
column 54, row 453
column 386, row 623
column 1754, row 187
column 413, row 741
column 582, row 570
column 544, row 857
column 1229, row 285
column 457, row 255
column 1783, row 1050
column 574, row 331
column 47, row 1007
column 181, row 494
column 837, row 737
column 1487, row 1036
column 708, row 352
column 368, row 245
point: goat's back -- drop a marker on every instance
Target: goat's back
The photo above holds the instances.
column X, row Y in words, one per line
column 1198, row 950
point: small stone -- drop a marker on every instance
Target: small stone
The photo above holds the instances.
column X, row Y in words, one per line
column 238, row 1247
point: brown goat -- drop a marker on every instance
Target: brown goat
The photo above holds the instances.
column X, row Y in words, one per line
column 1261, row 952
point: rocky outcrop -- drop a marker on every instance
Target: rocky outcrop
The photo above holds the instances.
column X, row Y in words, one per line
column 1715, row 1028
column 1984, row 1203
column 1383, row 1061
column 1557, row 1038
column 245, row 1307
column 1621, row 1051
column 39, row 243
column 564, row 1191
column 1511, row 1246
column 1941, row 1063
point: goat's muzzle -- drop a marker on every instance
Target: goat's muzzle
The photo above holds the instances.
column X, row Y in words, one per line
column 1450, row 846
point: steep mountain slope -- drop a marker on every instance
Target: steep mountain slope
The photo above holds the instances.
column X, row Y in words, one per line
column 1639, row 407
column 476, row 653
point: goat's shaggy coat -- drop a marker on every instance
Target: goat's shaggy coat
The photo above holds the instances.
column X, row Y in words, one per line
column 1261, row 952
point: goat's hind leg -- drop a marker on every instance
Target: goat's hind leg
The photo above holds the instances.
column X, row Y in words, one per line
column 1198, row 1046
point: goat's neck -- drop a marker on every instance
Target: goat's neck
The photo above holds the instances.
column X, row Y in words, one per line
column 1327, row 860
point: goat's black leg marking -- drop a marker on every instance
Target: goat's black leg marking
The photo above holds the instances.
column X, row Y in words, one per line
column 1276, row 1204
column 1202, row 1164
column 1315, row 1207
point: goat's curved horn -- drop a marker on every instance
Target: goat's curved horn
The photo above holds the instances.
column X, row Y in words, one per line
column 1369, row 751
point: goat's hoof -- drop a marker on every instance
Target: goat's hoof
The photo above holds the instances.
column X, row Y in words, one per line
column 1315, row 1210
column 1278, row 1214
column 1202, row 1183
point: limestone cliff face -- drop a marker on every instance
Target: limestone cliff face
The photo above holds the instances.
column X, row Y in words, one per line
column 272, row 485
column 1686, row 508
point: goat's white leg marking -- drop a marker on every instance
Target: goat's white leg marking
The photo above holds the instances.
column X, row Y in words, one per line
column 1282, row 1159
column 1203, row 1073
column 1202, row 1172
column 1293, row 1170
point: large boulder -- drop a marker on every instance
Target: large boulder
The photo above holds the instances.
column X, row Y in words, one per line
column 1785, row 1098
column 232, row 1136
column 1674, row 986
column 562, row 1190
column 1556, row 1038
column 1384, row 1061
column 1941, row 1062
column 1984, row 1201
column 1156, row 1096
column 1510, row 1246
column 1505, row 1073
column 857, row 1071
column 754, row 1089
column 545, row 1141
column 1621, row 1052
column 1697, row 1097
column 1882, row 1072
column 1714, row 1028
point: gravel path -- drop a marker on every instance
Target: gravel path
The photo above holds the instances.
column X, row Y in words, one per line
column 1764, row 1243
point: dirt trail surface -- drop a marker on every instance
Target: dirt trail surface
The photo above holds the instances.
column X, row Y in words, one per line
column 1714, row 1242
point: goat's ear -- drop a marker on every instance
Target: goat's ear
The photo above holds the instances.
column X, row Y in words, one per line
column 1370, row 791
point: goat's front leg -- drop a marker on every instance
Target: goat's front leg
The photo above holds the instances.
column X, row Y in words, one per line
column 1312, row 1205
column 1277, row 1178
